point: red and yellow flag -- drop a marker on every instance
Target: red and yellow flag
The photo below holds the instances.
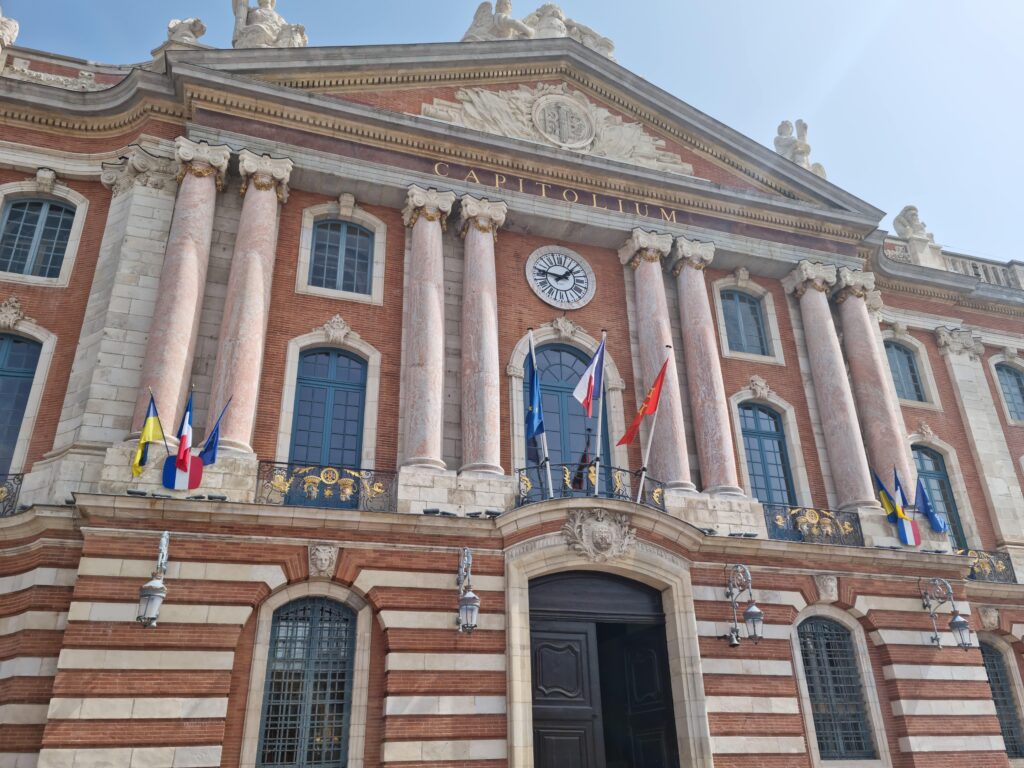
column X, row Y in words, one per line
column 649, row 406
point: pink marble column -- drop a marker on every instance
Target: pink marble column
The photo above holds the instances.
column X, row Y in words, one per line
column 708, row 403
column 172, row 336
column 481, row 369
column 881, row 418
column 243, row 330
column 810, row 283
column 668, row 460
column 426, row 212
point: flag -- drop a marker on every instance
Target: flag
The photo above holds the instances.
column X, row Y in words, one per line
column 209, row 453
column 534, row 411
column 938, row 522
column 906, row 528
column 185, row 438
column 184, row 471
column 582, row 466
column 151, row 432
column 647, row 407
column 589, row 386
column 898, row 493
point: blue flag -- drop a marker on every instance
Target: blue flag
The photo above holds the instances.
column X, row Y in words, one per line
column 209, row 452
column 534, row 411
column 938, row 522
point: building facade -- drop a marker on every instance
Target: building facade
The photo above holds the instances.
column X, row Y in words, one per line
column 346, row 251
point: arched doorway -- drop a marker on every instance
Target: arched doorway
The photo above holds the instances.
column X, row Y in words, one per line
column 602, row 696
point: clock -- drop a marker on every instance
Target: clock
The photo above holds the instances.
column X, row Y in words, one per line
column 560, row 277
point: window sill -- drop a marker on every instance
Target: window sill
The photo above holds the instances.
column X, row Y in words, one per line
column 331, row 293
column 924, row 404
column 876, row 763
column 754, row 358
column 61, row 281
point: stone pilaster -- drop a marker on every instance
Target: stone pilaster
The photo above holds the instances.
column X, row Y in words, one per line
column 481, row 369
column 708, row 403
column 243, row 328
column 810, row 283
column 172, row 341
column 643, row 252
column 426, row 214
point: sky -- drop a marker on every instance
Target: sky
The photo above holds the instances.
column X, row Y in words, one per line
column 907, row 101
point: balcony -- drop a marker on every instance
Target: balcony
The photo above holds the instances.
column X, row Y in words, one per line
column 302, row 485
column 990, row 566
column 813, row 526
column 580, row 481
column 10, row 490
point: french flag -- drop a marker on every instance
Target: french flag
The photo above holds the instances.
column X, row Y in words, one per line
column 184, row 472
column 590, row 384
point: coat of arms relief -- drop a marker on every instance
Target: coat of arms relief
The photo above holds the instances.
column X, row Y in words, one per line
column 599, row 535
column 553, row 114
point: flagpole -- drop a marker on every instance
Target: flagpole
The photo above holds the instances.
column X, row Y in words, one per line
column 650, row 441
column 158, row 421
column 600, row 415
column 543, row 435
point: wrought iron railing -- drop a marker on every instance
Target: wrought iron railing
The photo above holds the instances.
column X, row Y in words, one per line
column 579, row 481
column 304, row 485
column 814, row 526
column 10, row 490
column 990, row 566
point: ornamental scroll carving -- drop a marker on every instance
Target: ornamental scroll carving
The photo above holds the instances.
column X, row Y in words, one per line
column 12, row 315
column 21, row 69
column 337, row 330
column 644, row 246
column 200, row 159
column 487, row 216
column 552, row 114
column 497, row 23
column 959, row 341
column 428, row 204
column 323, row 560
column 693, row 253
column 599, row 535
column 809, row 274
column 138, row 168
column 828, row 588
column 759, row 388
column 264, row 172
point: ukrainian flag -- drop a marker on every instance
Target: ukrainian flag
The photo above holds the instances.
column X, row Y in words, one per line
column 151, row 432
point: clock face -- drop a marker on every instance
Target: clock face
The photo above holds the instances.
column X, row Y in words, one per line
column 560, row 277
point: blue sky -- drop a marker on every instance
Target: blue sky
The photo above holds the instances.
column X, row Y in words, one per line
column 908, row 101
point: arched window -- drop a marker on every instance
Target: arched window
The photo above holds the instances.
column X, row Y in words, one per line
column 931, row 468
column 835, row 690
column 34, row 237
column 327, row 429
column 1011, row 380
column 764, row 442
column 744, row 323
column 1006, row 703
column 903, row 365
column 572, row 437
column 18, row 358
column 342, row 257
column 307, row 701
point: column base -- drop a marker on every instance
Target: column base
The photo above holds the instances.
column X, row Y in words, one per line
column 425, row 462
column 683, row 486
column 235, row 447
column 855, row 506
column 732, row 491
column 481, row 468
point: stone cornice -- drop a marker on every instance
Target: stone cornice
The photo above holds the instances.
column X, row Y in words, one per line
column 691, row 253
column 644, row 246
column 488, row 216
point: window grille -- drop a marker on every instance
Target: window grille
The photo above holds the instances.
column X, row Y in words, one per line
column 34, row 237
column 744, row 323
column 836, row 691
column 342, row 257
column 764, row 442
column 308, row 691
column 1005, row 701
column 903, row 365
column 931, row 469
column 1012, row 382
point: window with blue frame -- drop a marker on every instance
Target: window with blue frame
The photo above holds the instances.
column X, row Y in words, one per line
column 307, row 697
column 744, row 323
column 903, row 365
column 835, row 690
column 1011, row 381
column 1001, row 683
column 342, row 257
column 34, row 237
column 327, row 426
column 764, row 442
column 18, row 360
column 931, row 469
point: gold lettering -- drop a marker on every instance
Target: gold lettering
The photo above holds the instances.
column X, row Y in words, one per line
column 668, row 215
column 543, row 188
column 471, row 176
column 567, row 192
column 620, row 206
column 521, row 184
column 438, row 169
column 499, row 180
column 646, row 211
column 602, row 207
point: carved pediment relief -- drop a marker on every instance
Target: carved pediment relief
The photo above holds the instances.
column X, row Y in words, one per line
column 555, row 115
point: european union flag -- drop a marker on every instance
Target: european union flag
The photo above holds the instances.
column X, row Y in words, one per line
column 534, row 412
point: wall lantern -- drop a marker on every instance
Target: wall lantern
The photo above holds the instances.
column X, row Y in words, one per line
column 153, row 592
column 934, row 594
column 739, row 581
column 469, row 603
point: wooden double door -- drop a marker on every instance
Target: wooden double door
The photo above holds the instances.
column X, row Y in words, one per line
column 601, row 689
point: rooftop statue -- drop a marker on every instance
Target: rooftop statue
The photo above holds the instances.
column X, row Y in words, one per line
column 185, row 31
column 264, row 27
column 8, row 31
column 908, row 224
column 796, row 148
column 496, row 23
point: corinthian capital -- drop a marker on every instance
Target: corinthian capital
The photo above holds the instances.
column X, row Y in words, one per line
column 428, row 204
column 809, row 274
column 488, row 216
column 201, row 160
column 691, row 253
column 265, row 172
column 959, row 341
column 644, row 246
column 137, row 168
column 853, row 282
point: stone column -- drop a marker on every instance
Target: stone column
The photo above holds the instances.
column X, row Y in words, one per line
column 481, row 370
column 810, row 283
column 426, row 213
column 243, row 330
column 172, row 338
column 708, row 402
column 881, row 418
column 643, row 252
